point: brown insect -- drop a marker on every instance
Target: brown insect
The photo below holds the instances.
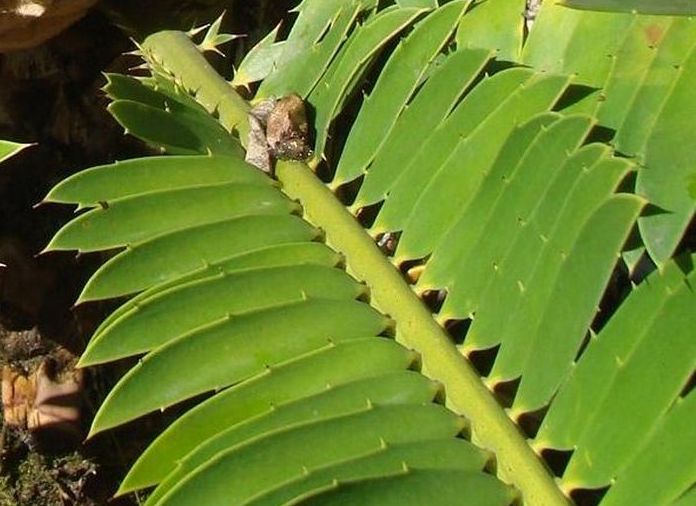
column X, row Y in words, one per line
column 287, row 131
column 279, row 130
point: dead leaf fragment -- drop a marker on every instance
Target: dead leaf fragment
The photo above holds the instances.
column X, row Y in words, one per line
column 44, row 398
column 18, row 393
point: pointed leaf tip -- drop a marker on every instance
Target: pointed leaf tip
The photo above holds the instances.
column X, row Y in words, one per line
column 9, row 149
column 213, row 38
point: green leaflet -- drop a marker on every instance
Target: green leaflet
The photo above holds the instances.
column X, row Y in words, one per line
column 509, row 298
column 619, row 396
column 309, row 66
column 430, row 107
column 558, row 334
column 454, row 184
column 362, row 47
column 440, row 269
column 334, row 364
column 158, row 128
column 525, row 333
column 155, row 92
column 567, row 53
column 250, row 468
column 441, row 143
column 415, row 487
column 9, row 149
column 606, row 357
column 641, row 78
column 145, row 175
column 647, row 75
column 672, row 164
column 397, row 388
column 667, row 455
column 145, row 91
column 188, row 306
column 431, row 454
column 670, row 7
column 401, row 76
column 165, row 116
column 143, row 265
column 305, row 53
column 230, row 350
column 135, row 219
column 507, row 202
column 259, row 61
column 301, row 253
column 494, row 24
column 472, row 132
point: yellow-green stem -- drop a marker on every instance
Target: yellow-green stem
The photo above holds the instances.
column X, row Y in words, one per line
column 416, row 329
column 175, row 52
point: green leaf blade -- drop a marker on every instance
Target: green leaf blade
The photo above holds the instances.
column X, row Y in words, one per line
column 586, row 271
column 510, row 203
column 520, row 285
column 403, row 73
column 308, row 68
column 416, row 487
column 425, row 112
column 494, row 24
column 136, row 219
column 259, row 61
column 453, row 185
column 230, row 351
column 668, row 8
column 9, row 149
column 179, row 310
column 441, row 143
column 334, row 364
column 665, row 458
column 362, row 47
column 392, row 389
column 669, row 164
column 163, row 258
column 642, row 391
column 441, row 267
column 314, row 19
column 301, row 253
column 647, row 78
column 156, row 127
column 144, row 175
column 432, row 454
column 250, row 468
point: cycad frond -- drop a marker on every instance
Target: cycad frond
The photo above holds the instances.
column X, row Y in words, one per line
column 325, row 364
